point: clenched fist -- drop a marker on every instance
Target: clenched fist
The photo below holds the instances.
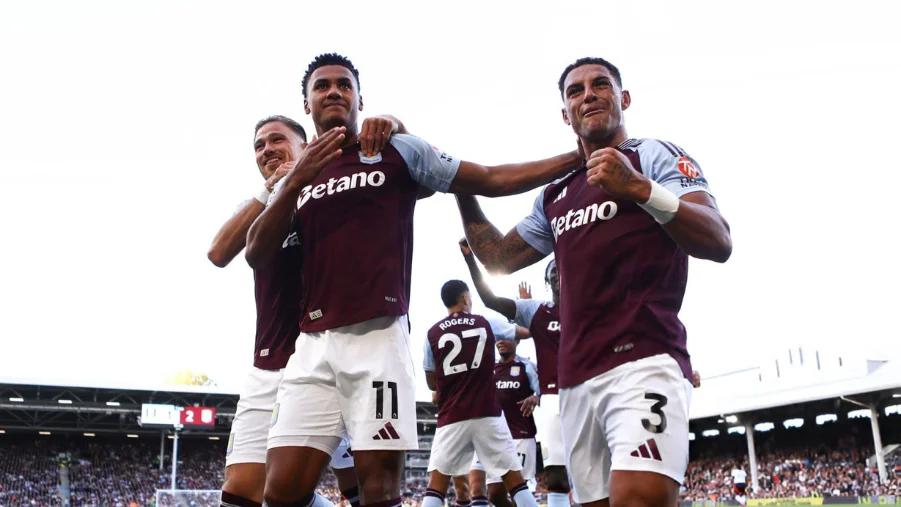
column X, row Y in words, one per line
column 611, row 171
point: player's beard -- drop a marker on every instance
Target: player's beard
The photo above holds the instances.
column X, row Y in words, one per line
column 506, row 355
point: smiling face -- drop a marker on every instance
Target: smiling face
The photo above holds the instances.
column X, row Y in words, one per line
column 275, row 143
column 506, row 348
column 593, row 102
column 333, row 98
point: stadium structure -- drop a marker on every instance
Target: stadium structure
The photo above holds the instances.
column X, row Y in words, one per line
column 808, row 429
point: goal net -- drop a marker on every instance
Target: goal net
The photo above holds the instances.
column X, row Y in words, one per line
column 187, row 498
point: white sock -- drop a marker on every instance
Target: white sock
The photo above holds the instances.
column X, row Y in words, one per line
column 321, row 501
column 557, row 500
column 432, row 501
column 523, row 497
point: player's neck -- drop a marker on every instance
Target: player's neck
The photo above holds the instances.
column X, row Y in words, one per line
column 591, row 145
column 555, row 297
column 457, row 309
column 507, row 360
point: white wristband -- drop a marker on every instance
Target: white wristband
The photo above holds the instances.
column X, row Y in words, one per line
column 662, row 205
column 262, row 196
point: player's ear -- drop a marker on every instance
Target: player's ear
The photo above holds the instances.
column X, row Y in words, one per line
column 306, row 106
column 627, row 99
column 565, row 116
column 361, row 102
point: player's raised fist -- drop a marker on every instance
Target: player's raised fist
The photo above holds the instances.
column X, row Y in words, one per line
column 315, row 156
column 375, row 133
column 610, row 170
column 464, row 248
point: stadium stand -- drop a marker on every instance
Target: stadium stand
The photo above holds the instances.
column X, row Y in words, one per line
column 813, row 440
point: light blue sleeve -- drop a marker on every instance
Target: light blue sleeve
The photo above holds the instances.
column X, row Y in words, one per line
column 535, row 228
column 502, row 330
column 525, row 310
column 429, row 166
column 671, row 167
column 532, row 372
column 428, row 359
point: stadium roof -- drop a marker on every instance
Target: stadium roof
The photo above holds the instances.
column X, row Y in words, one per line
column 883, row 379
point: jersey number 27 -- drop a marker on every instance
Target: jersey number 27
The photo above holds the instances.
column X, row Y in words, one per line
column 457, row 346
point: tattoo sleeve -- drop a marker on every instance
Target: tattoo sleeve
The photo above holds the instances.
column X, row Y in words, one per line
column 499, row 253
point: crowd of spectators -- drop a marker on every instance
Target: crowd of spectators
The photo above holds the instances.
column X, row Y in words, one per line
column 795, row 474
column 121, row 472
column 29, row 473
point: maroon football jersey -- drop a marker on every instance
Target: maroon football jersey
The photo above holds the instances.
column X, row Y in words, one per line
column 462, row 352
column 355, row 224
column 277, row 290
column 543, row 321
column 622, row 278
column 512, row 383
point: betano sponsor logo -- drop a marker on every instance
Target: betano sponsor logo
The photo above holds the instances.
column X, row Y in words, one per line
column 579, row 217
column 508, row 384
column 338, row 185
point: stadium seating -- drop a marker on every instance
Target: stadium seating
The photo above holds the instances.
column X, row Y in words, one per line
column 118, row 471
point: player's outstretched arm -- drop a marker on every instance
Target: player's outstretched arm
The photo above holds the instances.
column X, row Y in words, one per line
column 521, row 332
column 502, row 305
column 269, row 230
column 499, row 253
column 509, row 179
column 232, row 237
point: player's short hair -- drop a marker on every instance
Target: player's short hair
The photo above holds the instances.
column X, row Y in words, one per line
column 547, row 270
column 329, row 59
column 293, row 125
column 451, row 292
column 590, row 60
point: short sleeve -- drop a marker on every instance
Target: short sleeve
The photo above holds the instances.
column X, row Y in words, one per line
column 429, row 166
column 525, row 310
column 502, row 330
column 428, row 359
column 671, row 167
column 535, row 229
column 532, row 372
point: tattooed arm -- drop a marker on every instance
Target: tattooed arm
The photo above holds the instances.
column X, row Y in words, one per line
column 499, row 253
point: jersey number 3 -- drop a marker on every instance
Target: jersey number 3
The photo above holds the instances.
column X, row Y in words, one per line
column 457, row 346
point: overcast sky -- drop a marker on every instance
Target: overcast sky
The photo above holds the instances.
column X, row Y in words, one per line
column 126, row 141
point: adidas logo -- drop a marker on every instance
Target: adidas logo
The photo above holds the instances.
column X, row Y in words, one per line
column 647, row 450
column 387, row 433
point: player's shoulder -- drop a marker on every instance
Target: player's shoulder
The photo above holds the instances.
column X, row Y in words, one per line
column 653, row 148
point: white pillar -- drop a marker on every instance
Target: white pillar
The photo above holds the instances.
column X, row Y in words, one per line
column 162, row 448
column 174, row 458
column 877, row 444
column 752, row 456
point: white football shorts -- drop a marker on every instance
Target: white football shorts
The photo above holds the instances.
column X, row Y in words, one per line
column 456, row 444
column 526, row 453
column 633, row 417
column 250, row 428
column 355, row 379
column 550, row 431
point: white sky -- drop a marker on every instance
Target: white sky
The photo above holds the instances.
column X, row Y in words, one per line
column 126, row 141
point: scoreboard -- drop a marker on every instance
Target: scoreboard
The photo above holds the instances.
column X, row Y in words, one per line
column 154, row 415
column 198, row 417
